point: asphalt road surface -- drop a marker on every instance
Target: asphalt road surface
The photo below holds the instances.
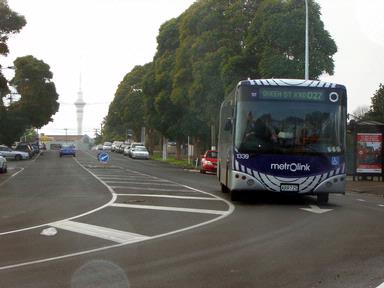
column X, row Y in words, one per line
column 75, row 222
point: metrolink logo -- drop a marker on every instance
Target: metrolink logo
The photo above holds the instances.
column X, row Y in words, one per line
column 293, row 167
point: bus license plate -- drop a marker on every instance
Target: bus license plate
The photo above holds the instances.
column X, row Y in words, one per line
column 289, row 188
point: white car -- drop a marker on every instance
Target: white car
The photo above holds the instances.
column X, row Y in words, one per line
column 3, row 165
column 107, row 146
column 139, row 152
column 8, row 153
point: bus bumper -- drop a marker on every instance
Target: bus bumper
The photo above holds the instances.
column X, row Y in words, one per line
column 243, row 181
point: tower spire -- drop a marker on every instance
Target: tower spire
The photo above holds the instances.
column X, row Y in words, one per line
column 80, row 109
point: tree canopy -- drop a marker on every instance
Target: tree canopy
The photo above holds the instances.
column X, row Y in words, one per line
column 376, row 111
column 32, row 81
column 203, row 53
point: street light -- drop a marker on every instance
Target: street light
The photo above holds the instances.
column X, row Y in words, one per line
column 306, row 42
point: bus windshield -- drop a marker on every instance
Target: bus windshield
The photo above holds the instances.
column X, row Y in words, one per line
column 289, row 127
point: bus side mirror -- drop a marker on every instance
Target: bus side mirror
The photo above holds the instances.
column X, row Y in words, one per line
column 228, row 124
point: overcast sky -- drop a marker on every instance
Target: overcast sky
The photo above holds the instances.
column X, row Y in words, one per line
column 104, row 39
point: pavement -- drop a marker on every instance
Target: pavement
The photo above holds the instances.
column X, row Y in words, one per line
column 372, row 185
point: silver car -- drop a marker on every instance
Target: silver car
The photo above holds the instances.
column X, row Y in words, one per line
column 8, row 153
column 3, row 165
column 139, row 152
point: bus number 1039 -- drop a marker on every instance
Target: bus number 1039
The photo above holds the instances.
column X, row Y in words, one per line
column 242, row 156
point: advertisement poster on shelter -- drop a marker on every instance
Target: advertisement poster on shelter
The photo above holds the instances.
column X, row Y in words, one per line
column 369, row 153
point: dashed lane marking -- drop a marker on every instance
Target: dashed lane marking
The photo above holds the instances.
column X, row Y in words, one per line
column 145, row 183
column 166, row 208
column 69, row 222
column 171, row 196
column 114, row 235
column 151, row 189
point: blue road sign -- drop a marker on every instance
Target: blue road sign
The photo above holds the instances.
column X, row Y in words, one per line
column 103, row 157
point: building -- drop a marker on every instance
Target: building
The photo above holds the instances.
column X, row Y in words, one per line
column 53, row 142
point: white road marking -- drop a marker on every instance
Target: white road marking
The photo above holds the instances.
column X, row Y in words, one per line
column 170, row 196
column 113, row 199
column 144, row 183
column 316, row 209
column 381, row 285
column 230, row 210
column 151, row 189
column 125, row 179
column 100, row 232
column 381, row 205
column 361, row 200
column 51, row 231
column 166, row 208
column 12, row 176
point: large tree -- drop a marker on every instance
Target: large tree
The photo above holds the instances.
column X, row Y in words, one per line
column 162, row 112
column 276, row 36
column 33, row 81
column 10, row 23
column 376, row 111
column 126, row 110
column 207, row 50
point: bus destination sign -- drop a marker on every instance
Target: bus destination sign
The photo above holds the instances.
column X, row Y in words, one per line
column 288, row 94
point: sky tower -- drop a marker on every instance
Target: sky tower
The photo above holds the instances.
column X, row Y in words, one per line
column 79, row 110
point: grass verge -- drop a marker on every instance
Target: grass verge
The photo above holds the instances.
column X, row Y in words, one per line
column 183, row 163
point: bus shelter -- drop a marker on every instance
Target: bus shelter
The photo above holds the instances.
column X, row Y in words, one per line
column 368, row 149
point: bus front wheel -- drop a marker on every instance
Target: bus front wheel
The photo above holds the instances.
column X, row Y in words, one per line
column 322, row 198
column 234, row 195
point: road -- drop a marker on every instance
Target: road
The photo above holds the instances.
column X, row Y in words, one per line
column 74, row 222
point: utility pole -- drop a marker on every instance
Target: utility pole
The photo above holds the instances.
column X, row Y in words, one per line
column 306, row 42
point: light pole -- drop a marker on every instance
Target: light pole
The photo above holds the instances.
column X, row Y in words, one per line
column 306, row 42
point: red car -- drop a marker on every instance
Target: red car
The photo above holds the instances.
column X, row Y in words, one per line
column 209, row 162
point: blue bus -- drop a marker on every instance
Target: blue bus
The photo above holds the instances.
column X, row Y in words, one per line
column 285, row 136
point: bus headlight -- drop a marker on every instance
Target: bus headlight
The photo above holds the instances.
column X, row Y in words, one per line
column 250, row 182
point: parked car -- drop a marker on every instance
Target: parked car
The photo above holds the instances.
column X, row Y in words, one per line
column 107, row 146
column 209, row 162
column 121, row 148
column 3, row 165
column 139, row 152
column 26, row 147
column 115, row 146
column 36, row 148
column 68, row 150
column 126, row 150
column 8, row 153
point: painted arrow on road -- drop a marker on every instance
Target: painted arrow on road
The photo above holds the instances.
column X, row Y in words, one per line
column 316, row 209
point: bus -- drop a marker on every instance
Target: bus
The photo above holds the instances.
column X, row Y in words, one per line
column 285, row 136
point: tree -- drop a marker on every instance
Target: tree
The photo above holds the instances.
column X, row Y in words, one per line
column 162, row 112
column 360, row 112
column 208, row 49
column 32, row 81
column 10, row 23
column 277, row 38
column 126, row 110
column 38, row 100
column 376, row 111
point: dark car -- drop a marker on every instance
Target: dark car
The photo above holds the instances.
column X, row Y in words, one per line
column 26, row 147
column 67, row 150
column 209, row 162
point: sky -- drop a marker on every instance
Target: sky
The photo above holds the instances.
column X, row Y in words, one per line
column 102, row 40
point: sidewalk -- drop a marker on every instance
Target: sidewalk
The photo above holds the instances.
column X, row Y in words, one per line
column 365, row 186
